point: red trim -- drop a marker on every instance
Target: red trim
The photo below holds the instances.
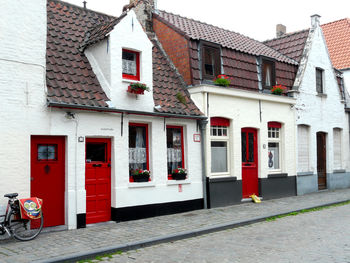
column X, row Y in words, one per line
column 182, row 146
column 218, row 121
column 274, row 124
column 132, row 77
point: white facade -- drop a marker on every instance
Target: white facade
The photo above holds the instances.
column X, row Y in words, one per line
column 243, row 110
column 320, row 112
column 24, row 112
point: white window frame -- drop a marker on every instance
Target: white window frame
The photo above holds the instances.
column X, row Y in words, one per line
column 221, row 138
column 307, row 136
column 278, row 140
column 335, row 130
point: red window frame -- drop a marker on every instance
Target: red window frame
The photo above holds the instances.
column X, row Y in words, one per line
column 132, row 77
column 147, row 145
column 274, row 124
column 182, row 146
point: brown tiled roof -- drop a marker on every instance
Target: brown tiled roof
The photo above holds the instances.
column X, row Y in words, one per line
column 168, row 87
column 70, row 79
column 291, row 44
column 337, row 35
column 201, row 31
column 69, row 76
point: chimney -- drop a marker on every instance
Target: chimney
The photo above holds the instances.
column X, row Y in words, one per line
column 143, row 10
column 315, row 21
column 84, row 4
column 280, row 30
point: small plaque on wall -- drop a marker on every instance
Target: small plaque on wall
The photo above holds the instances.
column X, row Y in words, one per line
column 196, row 137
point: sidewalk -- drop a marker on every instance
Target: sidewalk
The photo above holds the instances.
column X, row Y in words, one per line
column 111, row 237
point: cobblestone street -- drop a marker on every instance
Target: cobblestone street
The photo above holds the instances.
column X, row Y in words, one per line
column 322, row 236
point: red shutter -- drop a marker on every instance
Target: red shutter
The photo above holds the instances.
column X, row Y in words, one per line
column 218, row 121
column 274, row 124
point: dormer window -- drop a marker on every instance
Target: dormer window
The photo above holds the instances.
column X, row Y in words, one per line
column 319, row 80
column 131, row 64
column 268, row 74
column 211, row 62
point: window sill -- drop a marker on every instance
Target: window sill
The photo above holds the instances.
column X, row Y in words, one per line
column 338, row 171
column 177, row 182
column 219, row 175
column 131, row 81
column 141, row 185
column 321, row 95
column 310, row 173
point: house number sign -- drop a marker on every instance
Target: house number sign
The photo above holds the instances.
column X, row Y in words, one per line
column 196, row 137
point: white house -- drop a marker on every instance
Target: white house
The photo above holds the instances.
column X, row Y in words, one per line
column 74, row 132
column 322, row 124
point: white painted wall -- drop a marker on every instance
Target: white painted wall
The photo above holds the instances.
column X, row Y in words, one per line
column 346, row 78
column 242, row 108
column 127, row 34
column 322, row 113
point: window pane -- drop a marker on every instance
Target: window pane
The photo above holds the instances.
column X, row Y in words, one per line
column 218, row 157
column 129, row 63
column 244, row 147
column 137, row 148
column 273, row 155
column 319, row 83
column 174, row 149
column 46, row 152
column 251, row 147
column 96, row 152
column 208, row 62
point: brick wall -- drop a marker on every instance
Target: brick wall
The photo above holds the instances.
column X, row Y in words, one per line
column 176, row 46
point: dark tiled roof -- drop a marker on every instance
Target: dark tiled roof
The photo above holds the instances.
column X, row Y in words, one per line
column 337, row 35
column 100, row 32
column 70, row 79
column 291, row 44
column 200, row 31
column 168, row 87
column 69, row 75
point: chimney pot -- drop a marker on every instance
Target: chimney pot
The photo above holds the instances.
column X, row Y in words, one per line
column 84, row 4
column 315, row 20
column 280, row 30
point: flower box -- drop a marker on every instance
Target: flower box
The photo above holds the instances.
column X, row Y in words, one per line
column 140, row 178
column 137, row 91
column 178, row 176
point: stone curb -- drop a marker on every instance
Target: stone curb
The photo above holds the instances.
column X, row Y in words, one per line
column 170, row 238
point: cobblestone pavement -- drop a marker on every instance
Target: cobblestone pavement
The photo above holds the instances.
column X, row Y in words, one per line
column 102, row 236
column 322, row 236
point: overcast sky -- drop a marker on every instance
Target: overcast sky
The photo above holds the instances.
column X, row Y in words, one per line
column 254, row 18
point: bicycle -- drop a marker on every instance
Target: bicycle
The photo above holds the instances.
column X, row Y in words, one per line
column 15, row 226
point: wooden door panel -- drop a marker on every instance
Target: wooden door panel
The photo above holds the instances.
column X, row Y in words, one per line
column 321, row 160
column 48, row 176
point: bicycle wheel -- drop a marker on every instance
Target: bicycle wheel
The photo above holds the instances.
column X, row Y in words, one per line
column 25, row 230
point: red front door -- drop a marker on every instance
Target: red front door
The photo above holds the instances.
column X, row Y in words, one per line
column 48, row 176
column 98, row 180
column 249, row 162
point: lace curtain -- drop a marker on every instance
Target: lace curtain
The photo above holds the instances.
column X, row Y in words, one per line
column 138, row 155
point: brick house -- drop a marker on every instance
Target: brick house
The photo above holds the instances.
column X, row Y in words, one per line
column 76, row 132
column 250, row 141
column 323, row 127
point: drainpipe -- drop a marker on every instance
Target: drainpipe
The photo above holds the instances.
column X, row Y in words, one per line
column 202, row 127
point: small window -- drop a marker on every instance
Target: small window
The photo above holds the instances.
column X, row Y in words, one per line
column 319, row 80
column 274, row 145
column 96, row 152
column 303, row 148
column 268, row 74
column 219, row 136
column 175, row 149
column 211, row 62
column 131, row 65
column 47, row 152
column 337, row 148
column 138, row 147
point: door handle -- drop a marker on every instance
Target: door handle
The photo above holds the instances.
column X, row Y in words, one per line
column 248, row 164
column 109, row 165
column 97, row 165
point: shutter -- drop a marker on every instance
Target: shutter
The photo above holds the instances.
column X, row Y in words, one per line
column 337, row 148
column 303, row 148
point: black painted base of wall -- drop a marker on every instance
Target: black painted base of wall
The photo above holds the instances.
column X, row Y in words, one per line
column 144, row 211
column 223, row 191
column 277, row 186
column 81, row 220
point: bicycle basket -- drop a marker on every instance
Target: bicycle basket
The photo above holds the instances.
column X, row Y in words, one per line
column 30, row 208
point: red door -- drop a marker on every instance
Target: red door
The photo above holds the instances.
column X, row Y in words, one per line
column 48, row 176
column 98, row 180
column 249, row 162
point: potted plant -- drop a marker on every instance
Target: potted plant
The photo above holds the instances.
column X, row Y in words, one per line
column 137, row 88
column 140, row 175
column 278, row 89
column 179, row 174
column 222, row 80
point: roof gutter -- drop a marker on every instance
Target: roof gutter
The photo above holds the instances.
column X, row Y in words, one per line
column 115, row 110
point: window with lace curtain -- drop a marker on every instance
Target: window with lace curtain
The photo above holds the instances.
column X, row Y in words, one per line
column 175, row 148
column 138, row 147
column 131, row 64
column 268, row 74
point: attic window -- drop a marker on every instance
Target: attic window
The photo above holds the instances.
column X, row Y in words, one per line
column 131, row 64
column 211, row 63
column 268, row 74
column 319, row 80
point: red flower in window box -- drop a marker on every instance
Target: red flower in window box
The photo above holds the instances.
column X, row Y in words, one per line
column 278, row 89
column 179, row 173
column 137, row 88
column 140, row 175
column 222, row 80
